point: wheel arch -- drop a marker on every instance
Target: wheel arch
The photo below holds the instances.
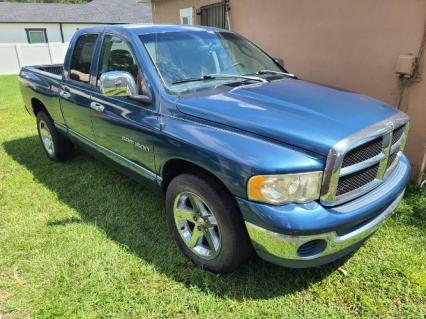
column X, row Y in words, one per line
column 176, row 166
column 38, row 106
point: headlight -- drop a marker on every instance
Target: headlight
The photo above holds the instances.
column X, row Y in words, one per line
column 280, row 189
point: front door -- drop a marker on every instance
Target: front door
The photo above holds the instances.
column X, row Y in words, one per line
column 76, row 90
column 122, row 125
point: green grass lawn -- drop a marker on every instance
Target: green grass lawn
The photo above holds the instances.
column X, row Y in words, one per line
column 79, row 240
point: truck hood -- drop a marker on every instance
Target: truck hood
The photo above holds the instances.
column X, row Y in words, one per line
column 303, row 114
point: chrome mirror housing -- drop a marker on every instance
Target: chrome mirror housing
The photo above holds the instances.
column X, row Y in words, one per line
column 121, row 83
column 117, row 83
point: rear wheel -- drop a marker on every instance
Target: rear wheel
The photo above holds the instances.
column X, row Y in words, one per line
column 56, row 146
column 206, row 223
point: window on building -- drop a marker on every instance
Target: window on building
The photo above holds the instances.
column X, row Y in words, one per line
column 36, row 35
column 186, row 16
column 81, row 59
column 214, row 15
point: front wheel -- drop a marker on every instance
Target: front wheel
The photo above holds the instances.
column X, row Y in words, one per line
column 206, row 223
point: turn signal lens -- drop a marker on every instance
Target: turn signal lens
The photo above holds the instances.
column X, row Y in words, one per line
column 280, row 189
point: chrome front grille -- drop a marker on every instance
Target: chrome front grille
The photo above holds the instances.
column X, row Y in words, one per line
column 356, row 180
column 362, row 161
column 363, row 152
column 397, row 134
column 392, row 159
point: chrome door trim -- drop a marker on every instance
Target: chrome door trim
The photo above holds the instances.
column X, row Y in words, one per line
column 60, row 126
column 64, row 94
column 97, row 107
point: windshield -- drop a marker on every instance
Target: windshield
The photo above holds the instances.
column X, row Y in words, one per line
column 179, row 56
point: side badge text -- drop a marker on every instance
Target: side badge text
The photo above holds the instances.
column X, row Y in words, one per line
column 138, row 145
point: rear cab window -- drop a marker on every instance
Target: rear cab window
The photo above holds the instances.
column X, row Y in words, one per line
column 81, row 59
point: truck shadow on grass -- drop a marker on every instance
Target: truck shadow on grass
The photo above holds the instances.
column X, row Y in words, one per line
column 132, row 214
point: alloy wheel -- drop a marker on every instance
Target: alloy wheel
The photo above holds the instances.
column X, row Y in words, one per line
column 46, row 137
column 197, row 225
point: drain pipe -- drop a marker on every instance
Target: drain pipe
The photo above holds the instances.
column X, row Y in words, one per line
column 421, row 182
column 408, row 77
column 227, row 9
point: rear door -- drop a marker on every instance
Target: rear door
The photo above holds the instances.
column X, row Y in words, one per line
column 123, row 125
column 76, row 90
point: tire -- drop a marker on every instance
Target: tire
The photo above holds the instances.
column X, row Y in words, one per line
column 57, row 147
column 209, row 198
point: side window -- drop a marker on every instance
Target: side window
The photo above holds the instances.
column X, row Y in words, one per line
column 117, row 56
column 82, row 58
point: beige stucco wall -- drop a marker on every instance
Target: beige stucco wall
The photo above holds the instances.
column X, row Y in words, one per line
column 415, row 105
column 350, row 44
column 167, row 11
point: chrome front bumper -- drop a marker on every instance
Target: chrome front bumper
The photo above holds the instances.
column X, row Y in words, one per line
column 286, row 249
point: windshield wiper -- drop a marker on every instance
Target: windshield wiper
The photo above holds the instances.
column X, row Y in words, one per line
column 221, row 76
column 290, row 75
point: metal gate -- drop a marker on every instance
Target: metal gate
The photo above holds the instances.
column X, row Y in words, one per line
column 214, row 15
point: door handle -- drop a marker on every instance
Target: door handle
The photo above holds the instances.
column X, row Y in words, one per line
column 64, row 94
column 97, row 107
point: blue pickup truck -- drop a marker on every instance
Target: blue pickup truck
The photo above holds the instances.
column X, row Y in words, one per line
column 250, row 157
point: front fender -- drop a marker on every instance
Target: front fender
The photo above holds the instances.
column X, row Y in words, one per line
column 230, row 155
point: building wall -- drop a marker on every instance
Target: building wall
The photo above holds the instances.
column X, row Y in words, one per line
column 165, row 11
column 15, row 32
column 70, row 28
column 349, row 44
column 414, row 104
column 15, row 52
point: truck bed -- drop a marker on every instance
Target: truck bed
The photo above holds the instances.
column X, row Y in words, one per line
column 41, row 84
column 56, row 69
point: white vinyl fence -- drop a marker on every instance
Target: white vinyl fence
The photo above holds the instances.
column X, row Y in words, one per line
column 13, row 56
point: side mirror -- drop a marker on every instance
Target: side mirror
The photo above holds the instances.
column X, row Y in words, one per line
column 121, row 83
column 279, row 61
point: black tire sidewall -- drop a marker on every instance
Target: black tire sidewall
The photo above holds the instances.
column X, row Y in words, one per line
column 235, row 245
column 62, row 148
column 41, row 116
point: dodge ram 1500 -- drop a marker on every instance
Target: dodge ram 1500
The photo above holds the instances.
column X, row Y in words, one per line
column 251, row 158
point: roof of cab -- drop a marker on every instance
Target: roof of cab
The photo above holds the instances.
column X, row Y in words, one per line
column 138, row 29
